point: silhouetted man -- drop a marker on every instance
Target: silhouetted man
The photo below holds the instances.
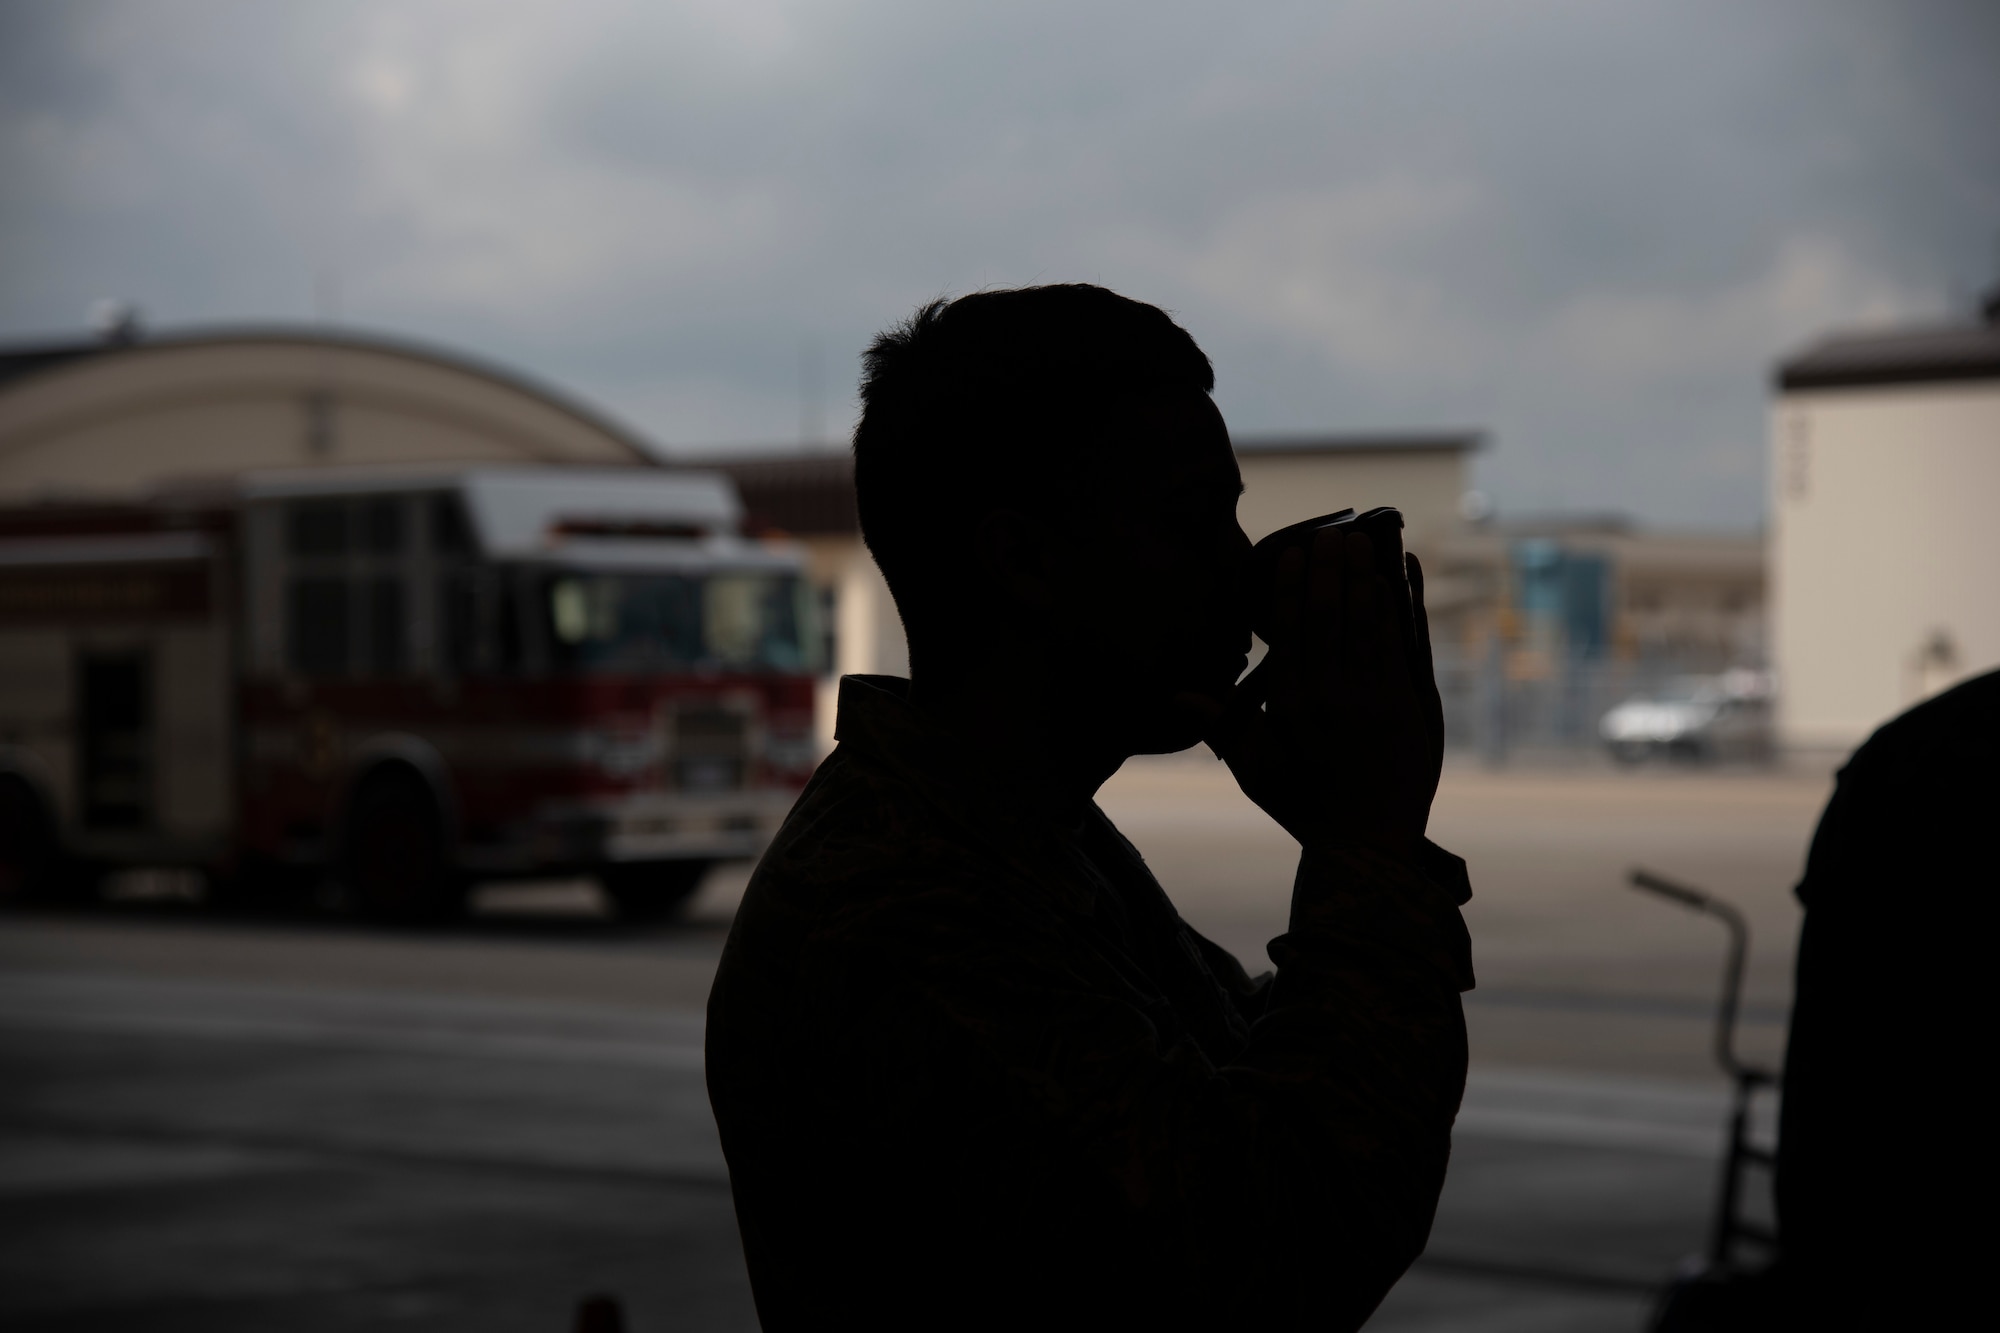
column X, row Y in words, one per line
column 970, row 1068
column 1886, row 1162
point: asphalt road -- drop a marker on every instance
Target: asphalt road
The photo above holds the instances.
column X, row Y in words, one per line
column 314, row 1125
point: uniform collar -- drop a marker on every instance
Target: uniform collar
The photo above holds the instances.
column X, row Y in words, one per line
column 877, row 721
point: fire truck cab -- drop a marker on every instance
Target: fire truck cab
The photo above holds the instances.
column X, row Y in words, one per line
column 403, row 683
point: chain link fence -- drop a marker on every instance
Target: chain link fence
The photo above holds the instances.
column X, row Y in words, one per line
column 1501, row 705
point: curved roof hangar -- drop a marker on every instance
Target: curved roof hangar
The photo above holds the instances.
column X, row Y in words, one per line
column 113, row 420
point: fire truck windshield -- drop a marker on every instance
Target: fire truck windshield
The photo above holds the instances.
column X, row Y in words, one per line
column 628, row 622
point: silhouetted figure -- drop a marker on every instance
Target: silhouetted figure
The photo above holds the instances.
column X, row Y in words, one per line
column 970, row 1067
column 1886, row 1178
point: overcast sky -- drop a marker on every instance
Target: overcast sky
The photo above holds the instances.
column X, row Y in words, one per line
column 1587, row 228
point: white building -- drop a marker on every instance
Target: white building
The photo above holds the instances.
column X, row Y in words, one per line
column 1885, row 541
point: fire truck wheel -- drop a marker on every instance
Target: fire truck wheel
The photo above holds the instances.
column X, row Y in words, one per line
column 651, row 890
column 32, row 866
column 394, row 861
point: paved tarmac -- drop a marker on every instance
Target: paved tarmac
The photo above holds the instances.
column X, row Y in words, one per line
column 212, row 1124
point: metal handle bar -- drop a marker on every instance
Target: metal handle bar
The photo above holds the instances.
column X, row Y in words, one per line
column 1732, row 969
column 1728, row 1227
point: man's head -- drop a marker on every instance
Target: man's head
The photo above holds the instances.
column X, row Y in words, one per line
column 1046, row 485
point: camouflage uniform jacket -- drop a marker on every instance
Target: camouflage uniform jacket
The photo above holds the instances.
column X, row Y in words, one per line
column 971, row 1069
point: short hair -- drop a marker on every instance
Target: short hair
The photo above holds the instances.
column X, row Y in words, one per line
column 1001, row 399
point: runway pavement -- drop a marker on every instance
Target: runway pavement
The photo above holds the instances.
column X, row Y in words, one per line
column 231, row 1155
column 215, row 1124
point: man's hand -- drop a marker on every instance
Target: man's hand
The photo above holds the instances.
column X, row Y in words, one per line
column 1339, row 732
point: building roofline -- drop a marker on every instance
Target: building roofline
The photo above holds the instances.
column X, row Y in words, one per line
column 23, row 360
column 807, row 493
column 1449, row 441
column 804, row 462
column 1943, row 354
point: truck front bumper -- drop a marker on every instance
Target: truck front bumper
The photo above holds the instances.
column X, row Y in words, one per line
column 652, row 826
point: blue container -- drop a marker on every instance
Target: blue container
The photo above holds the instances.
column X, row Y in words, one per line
column 1564, row 597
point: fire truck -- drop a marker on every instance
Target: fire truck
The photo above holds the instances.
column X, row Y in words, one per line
column 397, row 684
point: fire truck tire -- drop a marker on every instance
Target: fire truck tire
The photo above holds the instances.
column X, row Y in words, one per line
column 651, row 890
column 394, row 860
column 32, row 865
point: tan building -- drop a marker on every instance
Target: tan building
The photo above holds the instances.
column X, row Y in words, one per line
column 1696, row 601
column 105, row 420
column 1885, row 547
column 1289, row 478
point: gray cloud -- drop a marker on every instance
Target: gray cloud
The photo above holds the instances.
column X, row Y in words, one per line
column 1586, row 226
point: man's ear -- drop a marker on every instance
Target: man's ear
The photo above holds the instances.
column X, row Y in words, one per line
column 1020, row 555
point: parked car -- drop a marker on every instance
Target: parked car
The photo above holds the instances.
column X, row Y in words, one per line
column 1698, row 718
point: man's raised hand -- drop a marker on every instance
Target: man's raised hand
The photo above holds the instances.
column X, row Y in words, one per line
column 1339, row 732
